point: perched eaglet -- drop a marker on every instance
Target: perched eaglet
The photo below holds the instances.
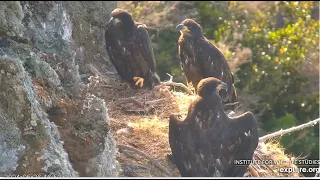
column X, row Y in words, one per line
column 207, row 142
column 129, row 48
column 200, row 59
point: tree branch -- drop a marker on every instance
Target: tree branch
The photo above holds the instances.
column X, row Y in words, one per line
column 133, row 156
column 152, row 160
column 171, row 77
column 171, row 83
column 283, row 132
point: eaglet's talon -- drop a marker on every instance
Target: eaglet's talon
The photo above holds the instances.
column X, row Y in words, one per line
column 138, row 81
column 125, row 85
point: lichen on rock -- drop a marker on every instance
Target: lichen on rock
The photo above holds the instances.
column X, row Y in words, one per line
column 27, row 115
column 10, row 144
column 39, row 67
column 57, row 162
column 11, row 15
column 104, row 164
column 42, row 69
column 87, row 136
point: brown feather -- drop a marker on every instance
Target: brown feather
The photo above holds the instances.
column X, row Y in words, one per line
column 129, row 48
column 207, row 142
column 201, row 59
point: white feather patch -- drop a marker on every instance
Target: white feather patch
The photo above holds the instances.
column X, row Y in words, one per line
column 202, row 156
column 142, row 26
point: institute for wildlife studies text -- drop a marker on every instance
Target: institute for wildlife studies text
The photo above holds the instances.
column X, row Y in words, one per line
column 299, row 170
column 275, row 162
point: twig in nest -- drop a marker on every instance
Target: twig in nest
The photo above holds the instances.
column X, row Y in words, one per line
column 152, row 160
column 171, row 77
column 130, row 99
column 135, row 166
column 171, row 83
column 109, row 73
column 113, row 120
column 283, row 132
column 129, row 172
column 130, row 155
column 136, row 111
column 143, row 109
column 110, row 86
column 253, row 172
column 231, row 104
column 155, row 101
column 130, row 169
column 258, row 157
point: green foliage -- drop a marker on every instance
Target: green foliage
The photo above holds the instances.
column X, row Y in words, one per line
column 166, row 54
column 277, row 57
column 284, row 122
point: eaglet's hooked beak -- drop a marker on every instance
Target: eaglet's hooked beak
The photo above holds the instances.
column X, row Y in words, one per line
column 223, row 86
column 180, row 27
column 113, row 20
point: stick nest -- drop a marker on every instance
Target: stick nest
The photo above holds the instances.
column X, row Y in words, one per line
column 139, row 119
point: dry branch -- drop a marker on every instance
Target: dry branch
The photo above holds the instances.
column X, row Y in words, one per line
column 171, row 83
column 155, row 101
column 283, row 132
column 133, row 156
column 152, row 160
column 177, row 85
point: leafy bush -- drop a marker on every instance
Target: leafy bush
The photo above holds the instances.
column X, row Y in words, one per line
column 282, row 39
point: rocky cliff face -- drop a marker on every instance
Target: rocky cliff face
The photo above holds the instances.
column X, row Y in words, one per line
column 50, row 124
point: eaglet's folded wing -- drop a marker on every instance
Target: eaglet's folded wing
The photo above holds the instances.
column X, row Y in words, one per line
column 243, row 141
column 115, row 51
column 214, row 62
column 143, row 40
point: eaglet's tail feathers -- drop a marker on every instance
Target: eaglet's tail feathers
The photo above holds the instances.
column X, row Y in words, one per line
column 175, row 145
